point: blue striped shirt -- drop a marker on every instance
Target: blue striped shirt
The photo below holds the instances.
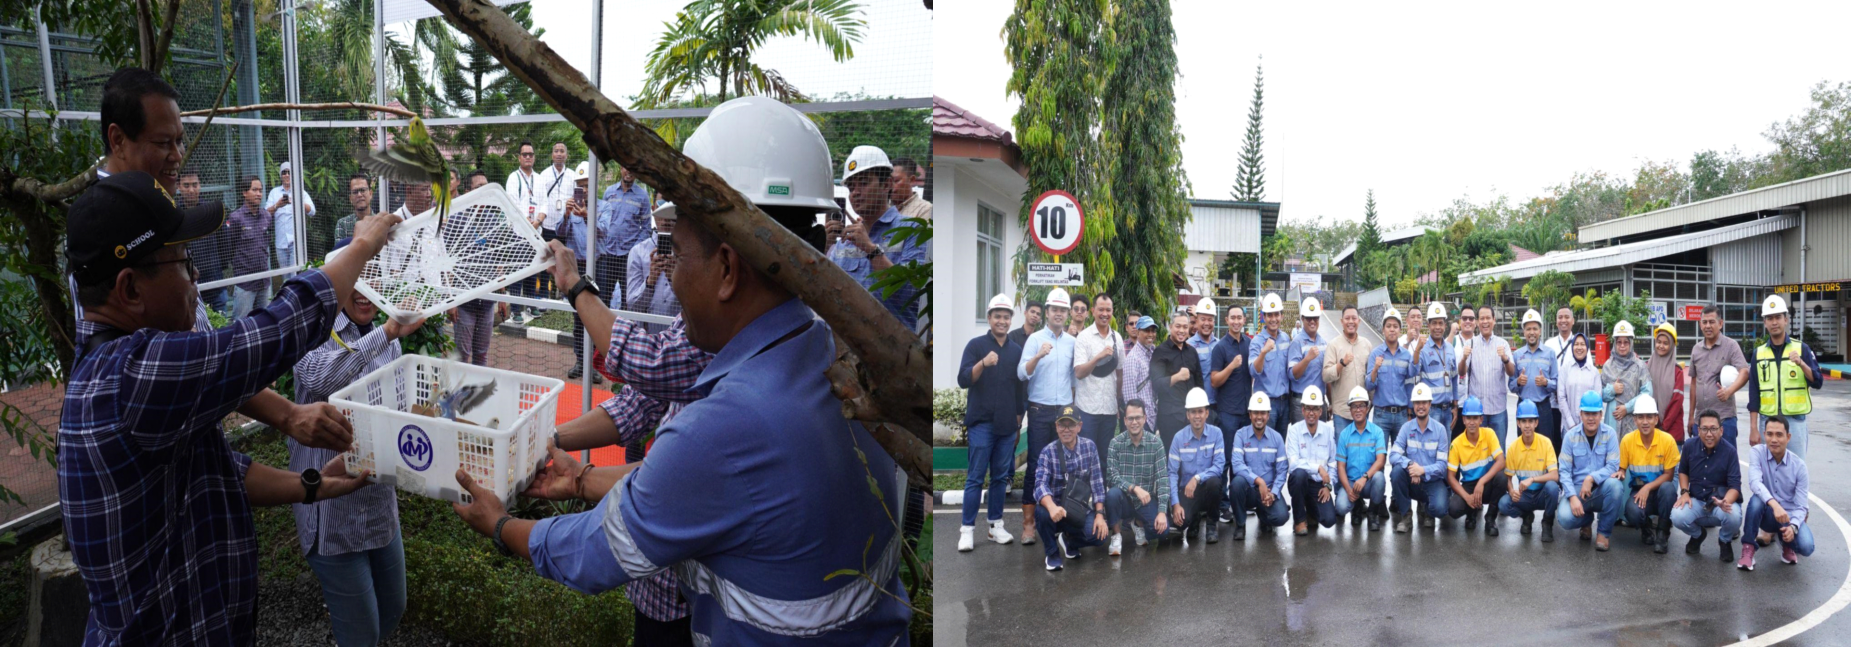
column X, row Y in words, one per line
column 1437, row 368
column 1270, row 376
column 1393, row 381
column 1262, row 456
column 1532, row 363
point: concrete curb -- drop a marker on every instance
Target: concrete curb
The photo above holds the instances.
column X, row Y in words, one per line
column 509, row 328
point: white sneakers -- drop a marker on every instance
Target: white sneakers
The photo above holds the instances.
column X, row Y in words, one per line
column 1113, row 550
column 1138, row 534
column 998, row 534
column 967, row 536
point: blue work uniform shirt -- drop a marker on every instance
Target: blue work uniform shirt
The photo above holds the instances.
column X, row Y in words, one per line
column 1393, row 381
column 1261, row 456
column 623, row 219
column 1194, row 457
column 1234, row 393
column 1581, row 457
column 751, row 494
column 1053, row 381
column 898, row 252
column 1358, row 449
column 1425, row 447
column 1437, row 367
column 1531, row 364
column 1314, row 369
column 997, row 397
column 1204, row 351
column 1270, row 376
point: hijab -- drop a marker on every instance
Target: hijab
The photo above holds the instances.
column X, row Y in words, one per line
column 1664, row 370
column 1589, row 354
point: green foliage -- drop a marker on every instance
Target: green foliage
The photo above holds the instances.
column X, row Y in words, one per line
column 1061, row 55
column 1548, row 291
column 1150, row 190
column 1617, row 306
column 1370, row 241
column 1588, row 304
column 948, row 407
column 1817, row 141
column 714, row 40
column 1251, row 175
column 1405, row 289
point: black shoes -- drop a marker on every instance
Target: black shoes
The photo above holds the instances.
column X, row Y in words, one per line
column 1696, row 543
column 1491, row 521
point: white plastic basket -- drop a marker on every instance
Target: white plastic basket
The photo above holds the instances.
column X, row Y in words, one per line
column 420, row 454
column 485, row 245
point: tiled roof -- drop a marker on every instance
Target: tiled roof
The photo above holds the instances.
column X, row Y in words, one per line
column 1520, row 254
column 948, row 119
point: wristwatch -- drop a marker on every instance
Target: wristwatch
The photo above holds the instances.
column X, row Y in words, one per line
column 877, row 252
column 311, row 481
column 585, row 284
column 499, row 545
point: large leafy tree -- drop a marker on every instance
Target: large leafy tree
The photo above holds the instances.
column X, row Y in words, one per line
column 1150, row 190
column 1251, row 178
column 1061, row 55
column 714, row 41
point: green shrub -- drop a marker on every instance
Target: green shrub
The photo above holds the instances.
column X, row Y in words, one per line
column 948, row 408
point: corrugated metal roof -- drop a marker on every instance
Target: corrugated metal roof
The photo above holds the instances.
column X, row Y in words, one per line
column 1397, row 236
column 1838, row 183
column 1630, row 253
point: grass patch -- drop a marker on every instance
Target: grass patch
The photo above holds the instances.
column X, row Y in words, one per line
column 555, row 320
column 955, row 481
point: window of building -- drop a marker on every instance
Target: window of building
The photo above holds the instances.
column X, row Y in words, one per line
column 989, row 256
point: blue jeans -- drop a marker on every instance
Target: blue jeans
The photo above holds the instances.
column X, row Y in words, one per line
column 1797, row 438
column 1099, row 428
column 1390, row 422
column 1041, row 433
column 1729, row 431
column 1544, row 499
column 1077, row 529
column 1338, row 424
column 1432, row 490
column 1304, row 487
column 1659, row 504
column 1762, row 517
column 1607, row 502
column 1372, row 495
column 365, row 592
column 1122, row 505
column 1443, row 413
column 994, row 452
column 1232, row 423
column 1695, row 516
column 1246, row 496
column 1499, row 423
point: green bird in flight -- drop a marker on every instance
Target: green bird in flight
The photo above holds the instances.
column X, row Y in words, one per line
column 414, row 159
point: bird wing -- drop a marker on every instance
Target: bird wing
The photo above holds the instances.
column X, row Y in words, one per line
column 395, row 164
column 474, row 395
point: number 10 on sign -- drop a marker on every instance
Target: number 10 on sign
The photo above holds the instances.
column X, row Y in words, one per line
column 1056, row 222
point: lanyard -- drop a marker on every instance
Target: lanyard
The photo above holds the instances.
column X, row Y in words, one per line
column 527, row 184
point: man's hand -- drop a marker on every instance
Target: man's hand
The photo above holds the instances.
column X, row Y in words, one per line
column 1046, row 347
column 336, row 482
column 1543, row 381
column 1575, row 506
column 1056, row 513
column 565, row 265
column 319, row 425
column 1683, row 499
column 1415, row 471
column 1523, row 380
column 1235, row 362
column 1144, row 497
column 1620, row 410
column 484, row 508
column 1183, row 374
column 1099, row 525
column 1476, row 497
column 857, row 234
column 1787, row 531
column 1588, row 487
column 1504, row 353
column 1323, row 477
column 1794, row 356
column 1267, row 348
column 1721, row 504
column 1189, row 490
column 1724, row 394
column 395, row 330
column 1378, row 366
column 659, row 266
column 559, row 480
column 1348, row 357
column 990, row 360
column 1781, row 513
column 1641, row 496
column 1159, row 524
column 1176, row 514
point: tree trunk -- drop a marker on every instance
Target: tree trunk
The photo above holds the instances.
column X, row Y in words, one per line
column 887, row 387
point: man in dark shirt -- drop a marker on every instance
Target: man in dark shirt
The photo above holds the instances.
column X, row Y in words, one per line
column 1710, row 484
column 1175, row 368
column 1233, row 383
column 1031, row 323
column 993, row 414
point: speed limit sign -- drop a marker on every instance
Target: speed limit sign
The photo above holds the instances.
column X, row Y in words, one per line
column 1055, row 222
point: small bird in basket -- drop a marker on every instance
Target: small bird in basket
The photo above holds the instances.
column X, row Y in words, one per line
column 414, row 159
column 455, row 403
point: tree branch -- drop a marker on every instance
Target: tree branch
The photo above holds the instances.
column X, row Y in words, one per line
column 144, row 36
column 167, row 35
column 894, row 361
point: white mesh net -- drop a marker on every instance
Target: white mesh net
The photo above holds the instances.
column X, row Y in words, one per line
column 484, row 245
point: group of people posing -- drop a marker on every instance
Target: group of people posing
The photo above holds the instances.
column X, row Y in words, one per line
column 1125, row 431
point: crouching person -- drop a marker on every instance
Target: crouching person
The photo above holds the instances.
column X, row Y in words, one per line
column 1778, row 498
column 1195, row 471
column 1363, row 451
column 1587, row 464
column 1531, row 471
column 1137, row 469
column 1070, row 491
column 1260, row 470
column 1710, row 487
column 352, row 544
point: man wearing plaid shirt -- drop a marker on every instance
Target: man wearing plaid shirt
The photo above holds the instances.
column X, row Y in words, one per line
column 1138, row 469
column 156, row 504
column 1072, row 495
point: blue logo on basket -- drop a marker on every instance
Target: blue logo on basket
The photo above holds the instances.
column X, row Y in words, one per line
column 415, row 447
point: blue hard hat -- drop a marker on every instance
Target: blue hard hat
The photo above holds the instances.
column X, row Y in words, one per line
column 1527, row 410
column 1472, row 408
column 1145, row 322
column 341, row 243
column 1591, row 401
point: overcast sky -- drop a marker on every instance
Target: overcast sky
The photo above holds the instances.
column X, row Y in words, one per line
column 1427, row 103
column 889, row 61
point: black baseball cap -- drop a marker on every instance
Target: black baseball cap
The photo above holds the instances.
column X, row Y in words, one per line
column 124, row 218
column 1068, row 412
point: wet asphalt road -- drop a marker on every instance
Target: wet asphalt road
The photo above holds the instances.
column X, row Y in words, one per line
column 1348, row 586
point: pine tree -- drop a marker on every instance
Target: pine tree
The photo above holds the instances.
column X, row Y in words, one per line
column 1369, row 242
column 1149, row 187
column 1251, row 180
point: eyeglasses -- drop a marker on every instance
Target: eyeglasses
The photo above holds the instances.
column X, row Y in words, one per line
column 357, row 191
column 192, row 271
column 527, row 154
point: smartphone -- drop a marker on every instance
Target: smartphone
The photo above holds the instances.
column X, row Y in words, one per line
column 578, row 195
column 662, row 244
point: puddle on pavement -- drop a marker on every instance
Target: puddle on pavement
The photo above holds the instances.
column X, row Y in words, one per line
column 1298, row 581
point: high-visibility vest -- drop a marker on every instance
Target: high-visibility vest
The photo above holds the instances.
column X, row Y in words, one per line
column 1782, row 385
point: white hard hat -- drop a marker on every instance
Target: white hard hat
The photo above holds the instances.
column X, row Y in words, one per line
column 1436, row 311
column 1272, row 304
column 1392, row 313
column 1259, row 402
column 1196, row 399
column 584, row 170
column 664, row 211
column 864, row 158
column 1421, row 393
column 1310, row 308
column 1001, row 301
column 1312, row 397
column 1727, row 375
column 1773, row 305
column 766, row 151
column 1645, row 406
column 1359, row 394
column 1204, row 305
column 1623, row 328
column 283, row 168
column 1058, row 297
column 1532, row 316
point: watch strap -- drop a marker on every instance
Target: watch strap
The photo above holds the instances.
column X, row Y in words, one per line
column 584, row 284
column 497, row 538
